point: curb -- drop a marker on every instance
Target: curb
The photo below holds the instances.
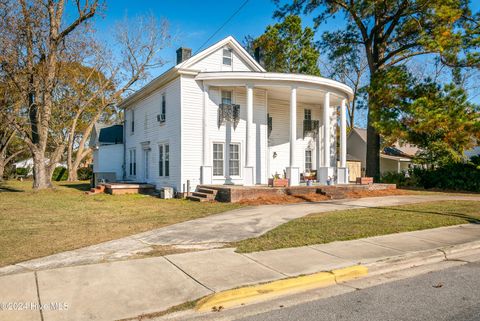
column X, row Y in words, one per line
column 243, row 295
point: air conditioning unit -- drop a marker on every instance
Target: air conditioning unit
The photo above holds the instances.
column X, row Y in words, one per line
column 161, row 118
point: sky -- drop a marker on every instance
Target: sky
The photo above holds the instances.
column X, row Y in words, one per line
column 193, row 22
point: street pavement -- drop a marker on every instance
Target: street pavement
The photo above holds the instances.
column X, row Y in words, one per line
column 124, row 289
column 213, row 231
column 452, row 294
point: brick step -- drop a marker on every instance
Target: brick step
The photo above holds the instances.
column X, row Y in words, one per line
column 203, row 195
column 207, row 191
column 198, row 199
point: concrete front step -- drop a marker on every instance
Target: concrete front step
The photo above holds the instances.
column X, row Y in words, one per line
column 198, row 199
column 207, row 191
column 204, row 195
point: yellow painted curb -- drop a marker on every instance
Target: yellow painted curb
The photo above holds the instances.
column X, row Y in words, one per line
column 349, row 273
column 237, row 297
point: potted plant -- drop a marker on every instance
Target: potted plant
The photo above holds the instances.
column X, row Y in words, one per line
column 277, row 181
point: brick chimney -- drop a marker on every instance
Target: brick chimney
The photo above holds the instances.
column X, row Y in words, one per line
column 183, row 54
column 258, row 55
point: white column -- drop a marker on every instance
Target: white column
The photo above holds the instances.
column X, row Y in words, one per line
column 342, row 170
column 250, row 151
column 293, row 173
column 249, row 169
column 326, row 173
column 326, row 130
column 205, row 125
column 343, row 133
column 293, row 125
column 206, row 170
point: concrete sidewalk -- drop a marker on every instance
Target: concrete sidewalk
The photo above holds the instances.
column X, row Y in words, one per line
column 124, row 289
column 213, row 231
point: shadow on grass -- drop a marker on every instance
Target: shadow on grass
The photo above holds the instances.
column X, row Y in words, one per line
column 5, row 189
column 468, row 218
column 78, row 186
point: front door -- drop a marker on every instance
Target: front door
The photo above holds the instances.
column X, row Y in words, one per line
column 146, row 154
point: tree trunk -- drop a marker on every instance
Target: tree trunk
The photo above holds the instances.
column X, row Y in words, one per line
column 373, row 143
column 42, row 177
column 72, row 173
column 2, row 167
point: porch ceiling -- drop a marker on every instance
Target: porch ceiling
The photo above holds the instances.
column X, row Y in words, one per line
column 306, row 96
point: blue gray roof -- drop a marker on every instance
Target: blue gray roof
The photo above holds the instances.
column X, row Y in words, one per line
column 111, row 135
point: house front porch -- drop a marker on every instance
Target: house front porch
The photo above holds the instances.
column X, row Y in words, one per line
column 236, row 193
column 273, row 125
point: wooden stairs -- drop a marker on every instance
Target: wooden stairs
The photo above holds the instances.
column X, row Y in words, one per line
column 203, row 194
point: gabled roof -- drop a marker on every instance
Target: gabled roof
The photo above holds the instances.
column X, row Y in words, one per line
column 111, row 135
column 361, row 132
column 230, row 42
column 183, row 68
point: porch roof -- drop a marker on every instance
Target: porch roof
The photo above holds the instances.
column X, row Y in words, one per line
column 273, row 79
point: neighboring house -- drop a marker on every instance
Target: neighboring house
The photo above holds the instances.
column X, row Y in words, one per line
column 219, row 118
column 28, row 164
column 108, row 152
column 397, row 158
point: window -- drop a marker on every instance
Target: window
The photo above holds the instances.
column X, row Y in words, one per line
column 132, row 169
column 217, row 159
column 226, row 97
column 164, row 160
column 132, row 128
column 167, row 160
column 161, row 155
column 308, row 160
column 307, row 114
column 146, row 154
column 164, row 107
column 227, row 57
column 269, row 124
column 234, row 160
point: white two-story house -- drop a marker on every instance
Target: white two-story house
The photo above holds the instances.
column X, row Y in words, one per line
column 218, row 117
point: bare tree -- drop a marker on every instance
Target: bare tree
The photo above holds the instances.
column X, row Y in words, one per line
column 349, row 67
column 36, row 39
column 140, row 40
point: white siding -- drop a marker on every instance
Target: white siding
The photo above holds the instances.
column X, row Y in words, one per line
column 279, row 143
column 357, row 147
column 148, row 129
column 214, row 62
column 192, row 113
column 109, row 158
column 192, row 129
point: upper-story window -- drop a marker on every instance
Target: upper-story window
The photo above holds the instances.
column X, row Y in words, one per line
column 226, row 97
column 132, row 120
column 307, row 114
column 164, row 108
column 227, row 57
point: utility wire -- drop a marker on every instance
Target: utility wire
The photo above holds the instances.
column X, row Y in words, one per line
column 223, row 25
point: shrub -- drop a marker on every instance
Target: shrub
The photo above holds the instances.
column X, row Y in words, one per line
column 60, row 174
column 22, row 171
column 455, row 176
column 84, row 173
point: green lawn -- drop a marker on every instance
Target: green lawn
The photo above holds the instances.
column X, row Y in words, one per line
column 359, row 223
column 36, row 224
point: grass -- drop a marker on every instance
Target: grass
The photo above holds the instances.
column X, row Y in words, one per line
column 359, row 223
column 35, row 224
